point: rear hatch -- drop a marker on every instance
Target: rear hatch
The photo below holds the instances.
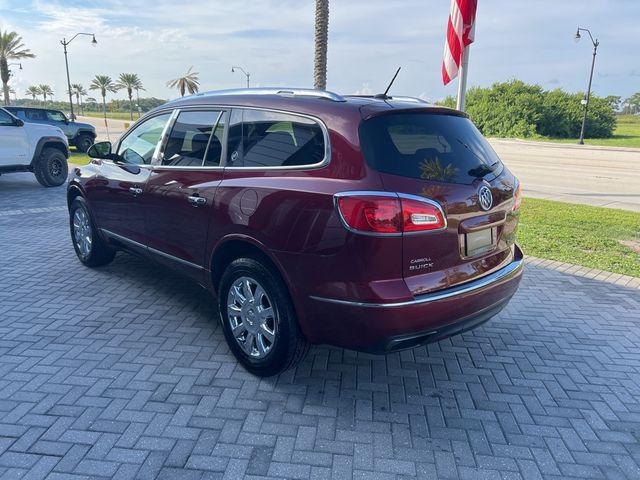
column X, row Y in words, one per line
column 440, row 155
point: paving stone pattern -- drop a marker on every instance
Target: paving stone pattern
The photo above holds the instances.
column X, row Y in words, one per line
column 123, row 372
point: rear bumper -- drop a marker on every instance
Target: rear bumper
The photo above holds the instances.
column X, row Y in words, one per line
column 385, row 327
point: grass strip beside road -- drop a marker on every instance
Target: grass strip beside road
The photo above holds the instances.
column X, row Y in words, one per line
column 78, row 158
column 113, row 115
column 581, row 235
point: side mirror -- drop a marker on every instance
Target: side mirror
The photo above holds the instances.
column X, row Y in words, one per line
column 100, row 150
column 18, row 122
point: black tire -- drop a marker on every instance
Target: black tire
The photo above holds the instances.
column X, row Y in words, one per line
column 83, row 142
column 289, row 346
column 51, row 168
column 98, row 253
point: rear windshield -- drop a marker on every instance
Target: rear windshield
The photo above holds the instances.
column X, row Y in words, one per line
column 429, row 146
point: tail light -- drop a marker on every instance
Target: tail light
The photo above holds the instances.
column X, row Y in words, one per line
column 389, row 213
column 517, row 197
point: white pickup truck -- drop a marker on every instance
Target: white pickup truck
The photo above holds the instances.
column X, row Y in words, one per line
column 33, row 147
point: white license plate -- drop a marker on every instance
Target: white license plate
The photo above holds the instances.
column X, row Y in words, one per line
column 478, row 242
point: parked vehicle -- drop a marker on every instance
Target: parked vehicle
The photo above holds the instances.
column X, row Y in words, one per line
column 375, row 224
column 28, row 147
column 80, row 135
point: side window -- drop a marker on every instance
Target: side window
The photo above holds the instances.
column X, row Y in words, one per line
column 191, row 142
column 5, row 119
column 138, row 146
column 54, row 116
column 36, row 115
column 272, row 139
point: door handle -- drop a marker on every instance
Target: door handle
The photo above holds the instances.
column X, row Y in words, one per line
column 196, row 200
column 135, row 191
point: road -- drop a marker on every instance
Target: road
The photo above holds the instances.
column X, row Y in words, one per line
column 600, row 176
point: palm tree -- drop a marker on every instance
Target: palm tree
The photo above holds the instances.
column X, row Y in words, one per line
column 45, row 90
column 104, row 84
column 11, row 48
column 189, row 82
column 322, row 34
column 79, row 91
column 138, row 88
column 34, row 91
column 130, row 81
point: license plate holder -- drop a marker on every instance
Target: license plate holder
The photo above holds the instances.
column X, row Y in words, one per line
column 479, row 241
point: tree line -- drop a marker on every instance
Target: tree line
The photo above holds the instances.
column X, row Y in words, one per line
column 518, row 109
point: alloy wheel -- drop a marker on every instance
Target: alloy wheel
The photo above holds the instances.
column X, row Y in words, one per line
column 251, row 317
column 82, row 232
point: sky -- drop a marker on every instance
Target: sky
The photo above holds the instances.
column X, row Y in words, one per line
column 368, row 39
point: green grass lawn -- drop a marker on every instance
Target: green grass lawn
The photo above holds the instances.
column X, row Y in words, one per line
column 580, row 234
column 113, row 115
column 626, row 134
column 78, row 158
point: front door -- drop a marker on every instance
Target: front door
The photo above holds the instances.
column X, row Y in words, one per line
column 179, row 195
column 119, row 188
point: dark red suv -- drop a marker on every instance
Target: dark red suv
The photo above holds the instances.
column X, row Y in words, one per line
column 371, row 223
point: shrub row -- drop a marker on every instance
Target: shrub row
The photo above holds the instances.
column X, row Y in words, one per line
column 517, row 109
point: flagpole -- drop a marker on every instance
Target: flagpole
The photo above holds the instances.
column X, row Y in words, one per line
column 462, row 78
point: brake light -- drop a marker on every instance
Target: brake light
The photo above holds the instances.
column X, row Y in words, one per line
column 371, row 213
column 385, row 214
column 517, row 197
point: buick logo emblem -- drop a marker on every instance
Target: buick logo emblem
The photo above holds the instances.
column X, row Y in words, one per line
column 485, row 198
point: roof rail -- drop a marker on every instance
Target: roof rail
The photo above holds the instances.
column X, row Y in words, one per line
column 290, row 92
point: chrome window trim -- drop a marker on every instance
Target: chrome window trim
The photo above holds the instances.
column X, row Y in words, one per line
column 150, row 249
column 376, row 193
column 504, row 273
column 325, row 134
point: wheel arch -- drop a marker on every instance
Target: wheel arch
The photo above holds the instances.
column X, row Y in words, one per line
column 49, row 142
column 237, row 246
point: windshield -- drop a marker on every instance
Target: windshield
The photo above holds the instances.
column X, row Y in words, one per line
column 429, row 146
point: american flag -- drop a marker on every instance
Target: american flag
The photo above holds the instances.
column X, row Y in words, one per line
column 459, row 34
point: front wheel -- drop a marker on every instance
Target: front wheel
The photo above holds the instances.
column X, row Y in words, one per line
column 89, row 246
column 51, row 168
column 258, row 318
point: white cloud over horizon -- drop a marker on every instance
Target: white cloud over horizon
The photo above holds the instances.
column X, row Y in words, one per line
column 368, row 40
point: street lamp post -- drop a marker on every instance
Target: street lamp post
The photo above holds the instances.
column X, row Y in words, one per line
column 248, row 75
column 64, row 43
column 593, row 62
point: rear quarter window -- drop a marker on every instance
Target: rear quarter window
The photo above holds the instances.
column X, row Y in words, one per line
column 428, row 146
column 264, row 139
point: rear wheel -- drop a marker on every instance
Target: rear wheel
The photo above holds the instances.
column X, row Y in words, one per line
column 83, row 142
column 89, row 246
column 258, row 318
column 51, row 168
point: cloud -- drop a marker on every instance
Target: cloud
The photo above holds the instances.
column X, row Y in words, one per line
column 368, row 40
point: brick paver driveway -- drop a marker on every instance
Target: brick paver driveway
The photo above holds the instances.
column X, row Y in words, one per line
column 123, row 371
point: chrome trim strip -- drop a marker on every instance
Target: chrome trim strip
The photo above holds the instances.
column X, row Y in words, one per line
column 152, row 250
column 387, row 194
column 504, row 273
column 228, row 108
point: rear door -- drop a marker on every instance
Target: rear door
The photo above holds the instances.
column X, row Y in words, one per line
column 443, row 157
column 180, row 193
